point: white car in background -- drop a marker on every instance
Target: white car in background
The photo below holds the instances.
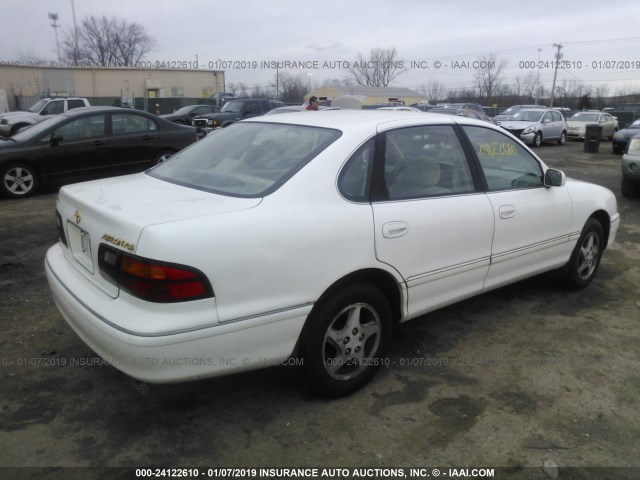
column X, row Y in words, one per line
column 577, row 124
column 312, row 237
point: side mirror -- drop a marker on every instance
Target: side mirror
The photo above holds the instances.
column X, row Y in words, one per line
column 56, row 140
column 554, row 178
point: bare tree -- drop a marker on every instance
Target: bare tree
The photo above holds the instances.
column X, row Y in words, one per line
column 379, row 70
column 433, row 90
column 291, row 88
column 489, row 75
column 107, row 42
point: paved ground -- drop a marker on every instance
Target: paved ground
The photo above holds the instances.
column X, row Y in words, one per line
column 515, row 378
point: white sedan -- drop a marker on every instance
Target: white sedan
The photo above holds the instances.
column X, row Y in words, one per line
column 309, row 239
column 577, row 124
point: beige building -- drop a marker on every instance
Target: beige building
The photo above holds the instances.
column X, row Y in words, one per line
column 368, row 96
column 24, row 85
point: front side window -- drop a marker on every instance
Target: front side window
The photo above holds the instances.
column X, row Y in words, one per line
column 246, row 159
column 80, row 129
column 425, row 161
column 506, row 164
column 53, row 108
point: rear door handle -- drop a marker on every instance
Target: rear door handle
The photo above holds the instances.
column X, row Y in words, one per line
column 394, row 229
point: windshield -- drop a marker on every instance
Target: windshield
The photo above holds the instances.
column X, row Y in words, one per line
column 233, row 106
column 183, row 110
column 38, row 128
column 38, row 106
column 246, row 159
column 585, row 117
column 527, row 116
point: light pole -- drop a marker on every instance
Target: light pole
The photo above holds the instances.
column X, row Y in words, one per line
column 54, row 17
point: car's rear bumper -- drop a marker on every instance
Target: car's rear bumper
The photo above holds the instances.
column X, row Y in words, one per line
column 246, row 344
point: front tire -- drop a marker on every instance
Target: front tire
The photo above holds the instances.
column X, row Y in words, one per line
column 585, row 259
column 18, row 180
column 537, row 140
column 345, row 340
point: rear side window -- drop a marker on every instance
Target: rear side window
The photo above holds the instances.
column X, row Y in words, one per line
column 71, row 104
column 506, row 164
column 355, row 179
column 124, row 123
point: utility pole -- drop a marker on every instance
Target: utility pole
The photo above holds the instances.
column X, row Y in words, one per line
column 555, row 73
column 54, row 17
column 75, row 35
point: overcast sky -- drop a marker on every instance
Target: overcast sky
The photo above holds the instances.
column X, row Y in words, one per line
column 601, row 39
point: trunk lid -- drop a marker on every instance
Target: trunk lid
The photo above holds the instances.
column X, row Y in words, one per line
column 115, row 211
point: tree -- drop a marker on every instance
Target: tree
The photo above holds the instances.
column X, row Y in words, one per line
column 433, row 90
column 379, row 70
column 489, row 75
column 290, row 88
column 107, row 42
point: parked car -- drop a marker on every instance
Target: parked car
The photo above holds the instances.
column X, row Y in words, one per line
column 621, row 137
column 185, row 115
column 296, row 108
column 400, row 109
column 630, row 183
column 536, row 126
column 577, row 124
column 12, row 122
column 312, row 236
column 470, row 110
column 87, row 142
column 512, row 110
column 493, row 111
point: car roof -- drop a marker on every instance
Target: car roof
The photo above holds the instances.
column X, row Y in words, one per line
column 346, row 120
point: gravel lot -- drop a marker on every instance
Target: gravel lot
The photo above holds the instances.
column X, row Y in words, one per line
column 514, row 378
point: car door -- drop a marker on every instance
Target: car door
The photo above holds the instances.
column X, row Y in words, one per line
column 532, row 222
column 76, row 147
column 133, row 141
column 550, row 128
column 608, row 125
column 431, row 223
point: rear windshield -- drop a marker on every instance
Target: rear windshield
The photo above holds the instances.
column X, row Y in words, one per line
column 246, row 159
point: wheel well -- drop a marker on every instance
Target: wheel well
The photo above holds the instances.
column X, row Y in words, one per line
column 603, row 217
column 20, row 161
column 18, row 126
column 372, row 276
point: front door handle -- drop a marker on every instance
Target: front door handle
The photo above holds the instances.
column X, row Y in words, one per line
column 507, row 211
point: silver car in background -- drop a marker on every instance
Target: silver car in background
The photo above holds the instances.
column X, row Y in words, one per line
column 534, row 126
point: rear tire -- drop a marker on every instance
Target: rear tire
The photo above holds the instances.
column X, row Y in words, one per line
column 345, row 339
column 563, row 138
column 163, row 156
column 585, row 259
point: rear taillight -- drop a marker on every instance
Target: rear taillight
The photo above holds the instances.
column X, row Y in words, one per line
column 60, row 229
column 153, row 280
